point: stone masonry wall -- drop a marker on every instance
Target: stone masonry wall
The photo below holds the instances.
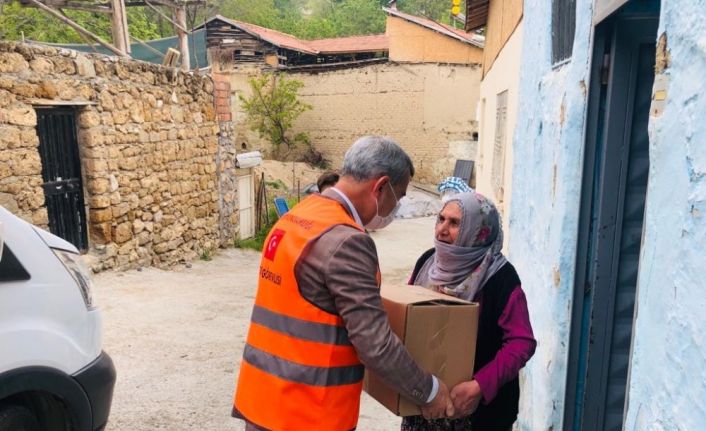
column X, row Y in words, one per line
column 225, row 162
column 148, row 139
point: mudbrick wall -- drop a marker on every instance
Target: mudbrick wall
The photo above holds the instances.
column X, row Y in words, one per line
column 429, row 108
column 148, row 140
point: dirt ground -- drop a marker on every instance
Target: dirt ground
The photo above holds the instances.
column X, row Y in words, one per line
column 281, row 172
column 176, row 337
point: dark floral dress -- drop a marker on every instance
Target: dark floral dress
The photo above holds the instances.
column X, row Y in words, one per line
column 418, row 423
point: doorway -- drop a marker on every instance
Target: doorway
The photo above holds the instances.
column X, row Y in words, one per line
column 245, row 206
column 61, row 173
column 616, row 167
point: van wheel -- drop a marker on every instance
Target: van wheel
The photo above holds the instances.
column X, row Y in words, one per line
column 17, row 418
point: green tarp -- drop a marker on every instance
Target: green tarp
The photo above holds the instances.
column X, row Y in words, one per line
column 197, row 48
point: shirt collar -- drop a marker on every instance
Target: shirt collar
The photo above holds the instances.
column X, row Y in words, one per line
column 348, row 202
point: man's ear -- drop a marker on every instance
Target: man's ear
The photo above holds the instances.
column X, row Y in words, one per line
column 379, row 184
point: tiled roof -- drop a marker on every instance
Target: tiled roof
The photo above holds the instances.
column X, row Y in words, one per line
column 321, row 46
column 282, row 40
column 444, row 29
column 345, row 45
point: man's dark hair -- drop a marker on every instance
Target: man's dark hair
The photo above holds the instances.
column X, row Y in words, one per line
column 326, row 180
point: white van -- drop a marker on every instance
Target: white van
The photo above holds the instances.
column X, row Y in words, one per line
column 53, row 374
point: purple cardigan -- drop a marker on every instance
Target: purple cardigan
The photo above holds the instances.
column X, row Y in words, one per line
column 518, row 345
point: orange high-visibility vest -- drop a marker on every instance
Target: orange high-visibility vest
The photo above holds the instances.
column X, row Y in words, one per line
column 299, row 371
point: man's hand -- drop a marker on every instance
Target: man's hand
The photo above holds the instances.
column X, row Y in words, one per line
column 441, row 406
column 466, row 396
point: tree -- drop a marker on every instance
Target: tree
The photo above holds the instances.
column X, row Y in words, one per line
column 273, row 107
column 439, row 11
column 307, row 19
column 35, row 24
column 310, row 19
column 353, row 17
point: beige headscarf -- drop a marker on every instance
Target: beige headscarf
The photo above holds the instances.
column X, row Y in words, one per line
column 462, row 269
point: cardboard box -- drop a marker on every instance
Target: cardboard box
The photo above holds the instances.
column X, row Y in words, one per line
column 438, row 330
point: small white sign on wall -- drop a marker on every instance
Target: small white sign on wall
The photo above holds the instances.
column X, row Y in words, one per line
column 248, row 160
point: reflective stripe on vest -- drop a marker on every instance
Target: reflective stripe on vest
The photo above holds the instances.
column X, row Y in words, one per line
column 299, row 369
column 312, row 331
column 315, row 376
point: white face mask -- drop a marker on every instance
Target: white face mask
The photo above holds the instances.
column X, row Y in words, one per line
column 379, row 222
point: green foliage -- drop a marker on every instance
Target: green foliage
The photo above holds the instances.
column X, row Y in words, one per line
column 257, row 242
column 318, row 19
column 206, row 255
column 307, row 19
column 439, row 11
column 273, row 107
column 278, row 184
column 345, row 18
column 40, row 26
column 144, row 25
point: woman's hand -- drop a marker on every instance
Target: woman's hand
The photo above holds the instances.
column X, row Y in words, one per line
column 466, row 396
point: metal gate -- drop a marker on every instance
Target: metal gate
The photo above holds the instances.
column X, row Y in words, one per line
column 61, row 172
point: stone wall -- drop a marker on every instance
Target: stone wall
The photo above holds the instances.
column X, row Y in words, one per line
column 225, row 163
column 148, row 139
column 430, row 109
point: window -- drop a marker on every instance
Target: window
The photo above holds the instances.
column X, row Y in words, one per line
column 563, row 29
column 10, row 268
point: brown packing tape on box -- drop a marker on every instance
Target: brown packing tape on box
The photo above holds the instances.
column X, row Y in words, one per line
column 439, row 332
column 436, row 342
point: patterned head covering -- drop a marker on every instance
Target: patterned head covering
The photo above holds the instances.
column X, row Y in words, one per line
column 451, row 186
column 462, row 269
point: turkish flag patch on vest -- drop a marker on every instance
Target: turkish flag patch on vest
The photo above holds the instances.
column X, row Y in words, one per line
column 273, row 243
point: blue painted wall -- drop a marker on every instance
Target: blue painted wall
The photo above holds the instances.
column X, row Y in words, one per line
column 546, row 187
column 668, row 373
column 668, row 380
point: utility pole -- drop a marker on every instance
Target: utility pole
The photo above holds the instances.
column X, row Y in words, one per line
column 121, row 38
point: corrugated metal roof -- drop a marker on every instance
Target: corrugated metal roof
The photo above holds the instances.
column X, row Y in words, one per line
column 345, row 45
column 438, row 27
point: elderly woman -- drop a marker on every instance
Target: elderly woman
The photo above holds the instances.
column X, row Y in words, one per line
column 467, row 262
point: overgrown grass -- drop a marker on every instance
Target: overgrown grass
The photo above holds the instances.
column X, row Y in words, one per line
column 206, row 255
column 277, row 184
column 257, row 241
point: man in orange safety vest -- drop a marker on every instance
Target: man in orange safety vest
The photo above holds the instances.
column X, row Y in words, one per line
column 318, row 318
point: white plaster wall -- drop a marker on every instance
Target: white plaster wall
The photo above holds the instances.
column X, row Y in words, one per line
column 668, row 371
column 546, row 184
column 503, row 76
